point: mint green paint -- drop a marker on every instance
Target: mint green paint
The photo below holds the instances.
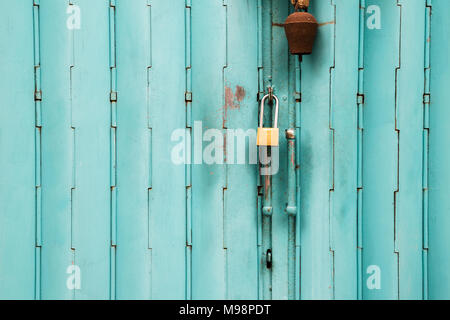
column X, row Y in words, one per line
column 17, row 163
column 439, row 154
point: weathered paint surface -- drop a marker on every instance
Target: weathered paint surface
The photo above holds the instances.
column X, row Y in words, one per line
column 86, row 171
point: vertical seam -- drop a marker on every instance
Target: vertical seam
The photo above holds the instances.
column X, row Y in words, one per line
column 113, row 146
column 188, row 156
column 426, row 135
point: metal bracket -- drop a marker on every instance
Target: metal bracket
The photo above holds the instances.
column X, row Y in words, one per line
column 269, row 259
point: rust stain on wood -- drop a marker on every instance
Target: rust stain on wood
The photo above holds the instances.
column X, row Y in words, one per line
column 240, row 93
column 232, row 100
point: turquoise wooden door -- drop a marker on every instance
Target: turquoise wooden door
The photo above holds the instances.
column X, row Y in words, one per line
column 121, row 123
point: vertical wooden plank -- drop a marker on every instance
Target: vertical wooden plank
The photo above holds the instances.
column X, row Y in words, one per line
column 293, row 179
column 380, row 151
column 410, row 85
column 209, row 27
column 133, row 256
column 167, row 113
column 113, row 148
column 426, row 150
column 17, row 149
column 57, row 150
column 317, row 159
column 439, row 219
column 344, row 124
column 241, row 111
column 359, row 167
column 91, row 120
column 188, row 177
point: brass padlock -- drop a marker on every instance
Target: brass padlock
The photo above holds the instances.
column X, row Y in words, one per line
column 268, row 137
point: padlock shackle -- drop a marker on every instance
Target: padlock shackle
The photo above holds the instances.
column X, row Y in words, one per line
column 261, row 116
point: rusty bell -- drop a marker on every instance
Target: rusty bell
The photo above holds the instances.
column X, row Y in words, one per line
column 301, row 30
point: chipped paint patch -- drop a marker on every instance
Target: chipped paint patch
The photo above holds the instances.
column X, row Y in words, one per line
column 233, row 99
column 240, row 93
